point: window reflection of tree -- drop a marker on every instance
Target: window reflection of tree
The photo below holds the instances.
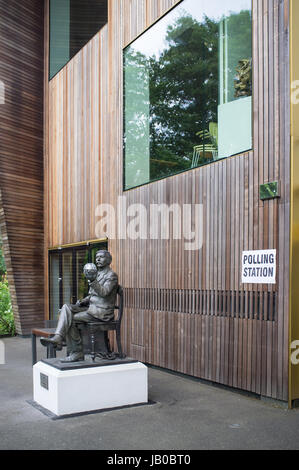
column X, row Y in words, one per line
column 184, row 91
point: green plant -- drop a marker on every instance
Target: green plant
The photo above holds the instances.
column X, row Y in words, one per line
column 2, row 262
column 7, row 324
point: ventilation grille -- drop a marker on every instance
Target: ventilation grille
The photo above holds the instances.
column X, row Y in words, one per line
column 257, row 305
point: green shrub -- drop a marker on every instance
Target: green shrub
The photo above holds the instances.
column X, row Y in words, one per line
column 2, row 262
column 7, row 324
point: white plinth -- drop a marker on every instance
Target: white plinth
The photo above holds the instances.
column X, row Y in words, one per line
column 90, row 389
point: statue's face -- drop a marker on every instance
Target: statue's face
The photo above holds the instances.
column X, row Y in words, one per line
column 101, row 259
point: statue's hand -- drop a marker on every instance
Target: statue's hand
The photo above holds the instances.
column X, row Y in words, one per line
column 83, row 302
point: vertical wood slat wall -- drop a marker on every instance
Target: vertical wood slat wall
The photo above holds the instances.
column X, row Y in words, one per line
column 186, row 311
column 21, row 157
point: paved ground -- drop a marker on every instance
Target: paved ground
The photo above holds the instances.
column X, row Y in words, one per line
column 187, row 415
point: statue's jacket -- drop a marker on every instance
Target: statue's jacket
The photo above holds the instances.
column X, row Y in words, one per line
column 102, row 295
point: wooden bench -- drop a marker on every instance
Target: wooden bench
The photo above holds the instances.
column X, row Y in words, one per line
column 47, row 332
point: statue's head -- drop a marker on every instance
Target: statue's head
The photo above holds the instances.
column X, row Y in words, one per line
column 103, row 258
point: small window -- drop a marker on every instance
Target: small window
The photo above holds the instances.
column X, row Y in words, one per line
column 188, row 90
column 72, row 24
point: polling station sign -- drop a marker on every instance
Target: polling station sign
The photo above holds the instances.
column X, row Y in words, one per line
column 259, row 267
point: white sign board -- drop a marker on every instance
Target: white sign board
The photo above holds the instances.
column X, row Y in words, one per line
column 259, row 267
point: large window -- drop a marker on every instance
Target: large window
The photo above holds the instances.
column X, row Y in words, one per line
column 72, row 24
column 188, row 90
column 67, row 282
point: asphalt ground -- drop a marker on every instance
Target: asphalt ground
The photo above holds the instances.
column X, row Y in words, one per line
column 185, row 414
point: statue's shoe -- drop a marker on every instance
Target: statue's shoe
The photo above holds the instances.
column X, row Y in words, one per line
column 56, row 342
column 74, row 357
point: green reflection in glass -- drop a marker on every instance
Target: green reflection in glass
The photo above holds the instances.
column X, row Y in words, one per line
column 82, row 283
column 269, row 190
column 187, row 90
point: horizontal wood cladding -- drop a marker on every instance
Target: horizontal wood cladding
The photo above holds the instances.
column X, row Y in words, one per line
column 247, row 346
column 21, row 157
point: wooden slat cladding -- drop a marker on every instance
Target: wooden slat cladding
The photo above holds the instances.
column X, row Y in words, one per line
column 247, row 347
column 77, row 139
column 246, row 352
column 21, row 156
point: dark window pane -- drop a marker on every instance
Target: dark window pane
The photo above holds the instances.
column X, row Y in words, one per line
column 67, row 277
column 72, row 24
column 188, row 90
column 54, row 286
column 81, row 281
column 67, row 282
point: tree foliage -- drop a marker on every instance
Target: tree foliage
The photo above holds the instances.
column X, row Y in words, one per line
column 176, row 93
column 2, row 261
column 7, row 325
column 183, row 91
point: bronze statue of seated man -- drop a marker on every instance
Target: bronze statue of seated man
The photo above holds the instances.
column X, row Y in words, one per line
column 97, row 306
